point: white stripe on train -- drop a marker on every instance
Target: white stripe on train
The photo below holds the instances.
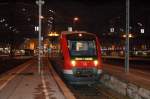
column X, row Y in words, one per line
column 66, row 71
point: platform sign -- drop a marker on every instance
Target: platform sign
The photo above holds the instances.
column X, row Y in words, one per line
column 70, row 29
column 142, row 31
column 112, row 29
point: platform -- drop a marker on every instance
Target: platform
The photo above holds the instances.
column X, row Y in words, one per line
column 25, row 82
column 136, row 76
column 134, row 84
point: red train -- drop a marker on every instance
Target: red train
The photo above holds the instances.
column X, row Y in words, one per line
column 82, row 57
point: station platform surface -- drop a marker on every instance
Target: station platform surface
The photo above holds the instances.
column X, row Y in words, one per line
column 135, row 76
column 25, row 82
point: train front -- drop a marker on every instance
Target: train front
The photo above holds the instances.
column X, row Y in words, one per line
column 83, row 66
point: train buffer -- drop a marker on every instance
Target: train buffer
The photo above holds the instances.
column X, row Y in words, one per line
column 25, row 82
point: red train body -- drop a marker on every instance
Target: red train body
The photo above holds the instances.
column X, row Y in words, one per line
column 82, row 57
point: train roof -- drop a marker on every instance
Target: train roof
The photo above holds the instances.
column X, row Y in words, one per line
column 74, row 35
column 74, row 32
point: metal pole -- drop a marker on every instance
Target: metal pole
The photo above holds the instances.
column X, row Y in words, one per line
column 127, row 36
column 40, row 2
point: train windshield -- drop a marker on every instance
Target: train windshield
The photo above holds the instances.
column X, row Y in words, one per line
column 82, row 48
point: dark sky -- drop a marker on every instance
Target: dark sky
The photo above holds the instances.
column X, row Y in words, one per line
column 98, row 16
column 94, row 16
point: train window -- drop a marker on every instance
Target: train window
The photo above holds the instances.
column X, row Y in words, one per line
column 82, row 48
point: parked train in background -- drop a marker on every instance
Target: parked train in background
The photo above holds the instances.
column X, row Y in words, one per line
column 81, row 54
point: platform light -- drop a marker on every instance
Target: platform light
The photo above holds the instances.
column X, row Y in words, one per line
column 130, row 35
column 53, row 34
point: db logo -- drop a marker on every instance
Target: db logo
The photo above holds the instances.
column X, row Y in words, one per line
column 84, row 64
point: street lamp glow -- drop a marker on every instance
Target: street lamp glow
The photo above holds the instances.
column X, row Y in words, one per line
column 41, row 17
column 130, row 36
column 76, row 19
column 53, row 34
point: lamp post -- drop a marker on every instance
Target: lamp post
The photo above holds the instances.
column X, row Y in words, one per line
column 127, row 36
column 40, row 3
column 75, row 19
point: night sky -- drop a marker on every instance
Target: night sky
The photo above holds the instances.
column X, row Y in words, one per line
column 98, row 16
column 94, row 16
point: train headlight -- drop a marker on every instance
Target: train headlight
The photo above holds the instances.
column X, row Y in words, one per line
column 95, row 62
column 73, row 62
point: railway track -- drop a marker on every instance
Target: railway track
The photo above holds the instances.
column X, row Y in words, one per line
column 86, row 92
column 97, row 91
